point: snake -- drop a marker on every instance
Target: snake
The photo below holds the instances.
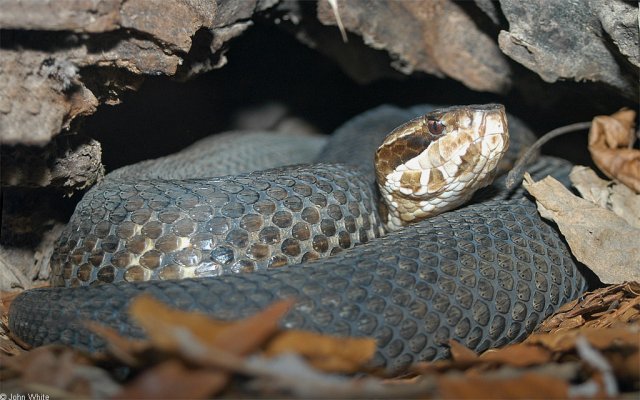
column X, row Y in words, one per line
column 381, row 237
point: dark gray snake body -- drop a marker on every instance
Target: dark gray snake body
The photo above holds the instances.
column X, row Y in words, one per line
column 484, row 275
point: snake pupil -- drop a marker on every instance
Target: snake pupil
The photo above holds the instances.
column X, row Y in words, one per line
column 435, row 127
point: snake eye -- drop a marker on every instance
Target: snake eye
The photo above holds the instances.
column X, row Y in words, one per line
column 435, row 127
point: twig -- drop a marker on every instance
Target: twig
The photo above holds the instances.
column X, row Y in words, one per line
column 515, row 175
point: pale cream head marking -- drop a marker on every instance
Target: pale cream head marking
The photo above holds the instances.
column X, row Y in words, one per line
column 436, row 162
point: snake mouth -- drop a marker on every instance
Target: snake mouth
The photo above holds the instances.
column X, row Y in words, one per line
column 436, row 162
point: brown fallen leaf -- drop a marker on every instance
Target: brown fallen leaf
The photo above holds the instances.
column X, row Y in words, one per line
column 461, row 353
column 249, row 334
column 526, row 386
column 324, row 352
column 161, row 324
column 611, row 145
column 597, row 237
column 518, row 355
column 171, row 379
column 6, row 298
column 124, row 349
column 156, row 319
column 462, row 358
column 627, row 336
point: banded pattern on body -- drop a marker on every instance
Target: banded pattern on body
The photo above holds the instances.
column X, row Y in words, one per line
column 174, row 229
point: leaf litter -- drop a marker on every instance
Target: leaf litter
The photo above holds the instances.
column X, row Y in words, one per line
column 588, row 349
column 602, row 228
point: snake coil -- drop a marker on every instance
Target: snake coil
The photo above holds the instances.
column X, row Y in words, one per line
column 485, row 274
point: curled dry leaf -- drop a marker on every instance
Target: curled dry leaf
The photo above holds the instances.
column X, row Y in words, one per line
column 161, row 322
column 157, row 320
column 124, row 349
column 611, row 195
column 324, row 352
column 597, row 237
column 611, row 140
column 248, row 335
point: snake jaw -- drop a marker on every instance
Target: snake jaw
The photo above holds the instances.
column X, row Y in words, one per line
column 421, row 174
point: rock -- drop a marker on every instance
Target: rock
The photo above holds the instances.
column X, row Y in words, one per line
column 46, row 45
column 437, row 37
column 620, row 21
column 565, row 40
column 171, row 21
column 40, row 95
column 61, row 15
column 70, row 163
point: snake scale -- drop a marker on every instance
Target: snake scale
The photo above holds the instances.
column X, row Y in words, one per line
column 484, row 274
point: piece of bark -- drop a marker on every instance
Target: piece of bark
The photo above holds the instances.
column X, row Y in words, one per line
column 607, row 194
column 597, row 237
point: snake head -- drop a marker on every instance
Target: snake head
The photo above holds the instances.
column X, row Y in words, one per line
column 436, row 162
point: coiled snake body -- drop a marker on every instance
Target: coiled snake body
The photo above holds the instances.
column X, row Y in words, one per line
column 485, row 274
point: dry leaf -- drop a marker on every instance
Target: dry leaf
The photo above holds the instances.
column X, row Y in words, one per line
column 291, row 373
column 160, row 321
column 603, row 307
column 124, row 349
column 526, row 386
column 610, row 143
column 607, row 194
column 62, row 368
column 518, row 355
column 601, row 338
column 460, row 353
column 597, row 237
column 327, row 353
column 157, row 319
column 6, row 298
column 249, row 334
column 173, row 380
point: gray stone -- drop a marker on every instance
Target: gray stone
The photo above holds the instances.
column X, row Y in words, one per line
column 561, row 39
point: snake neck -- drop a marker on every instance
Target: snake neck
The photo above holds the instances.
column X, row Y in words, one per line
column 435, row 163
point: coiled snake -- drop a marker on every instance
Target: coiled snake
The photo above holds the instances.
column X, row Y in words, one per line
column 485, row 274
